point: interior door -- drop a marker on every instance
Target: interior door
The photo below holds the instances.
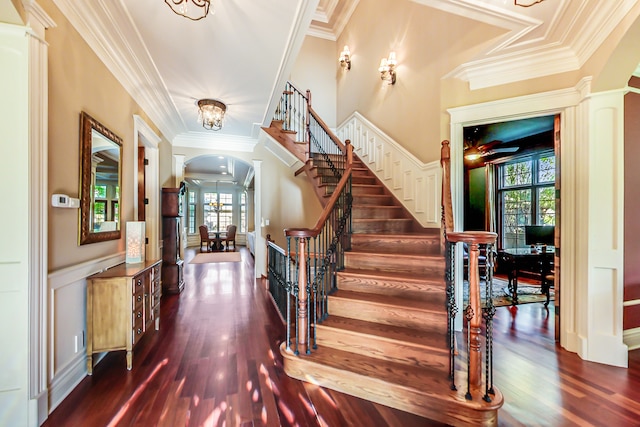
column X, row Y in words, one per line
column 142, row 197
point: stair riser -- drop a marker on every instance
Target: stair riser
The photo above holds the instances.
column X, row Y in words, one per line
column 372, row 200
column 363, row 190
column 368, row 180
column 422, row 291
column 396, row 244
column 376, row 212
column 425, row 267
column 381, row 226
column 382, row 349
column 432, row 404
column 388, row 315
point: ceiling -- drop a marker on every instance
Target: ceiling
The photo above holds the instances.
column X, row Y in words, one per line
column 243, row 53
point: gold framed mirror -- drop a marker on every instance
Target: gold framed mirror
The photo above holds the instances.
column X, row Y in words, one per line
column 100, row 182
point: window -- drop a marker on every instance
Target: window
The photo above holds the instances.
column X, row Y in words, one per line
column 218, row 210
column 99, row 214
column 526, row 190
column 191, row 212
column 226, row 210
column 243, row 212
column 210, row 215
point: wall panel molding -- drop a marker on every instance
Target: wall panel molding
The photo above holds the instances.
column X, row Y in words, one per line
column 416, row 185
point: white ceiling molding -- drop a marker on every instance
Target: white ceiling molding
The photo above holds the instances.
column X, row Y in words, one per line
column 524, row 54
column 332, row 17
column 115, row 40
column 212, row 141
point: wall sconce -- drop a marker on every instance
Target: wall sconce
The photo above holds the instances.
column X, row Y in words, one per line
column 388, row 68
column 345, row 58
column 135, row 242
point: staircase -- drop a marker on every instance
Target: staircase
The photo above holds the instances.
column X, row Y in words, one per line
column 385, row 339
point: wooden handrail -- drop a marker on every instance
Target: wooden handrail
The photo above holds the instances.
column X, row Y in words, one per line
column 313, row 232
column 333, row 137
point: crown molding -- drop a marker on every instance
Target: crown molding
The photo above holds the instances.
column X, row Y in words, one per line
column 329, row 21
column 109, row 31
column 572, row 37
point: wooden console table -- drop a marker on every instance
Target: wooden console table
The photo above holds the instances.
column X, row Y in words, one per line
column 122, row 304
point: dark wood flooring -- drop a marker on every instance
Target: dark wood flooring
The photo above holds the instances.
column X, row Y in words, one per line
column 215, row 361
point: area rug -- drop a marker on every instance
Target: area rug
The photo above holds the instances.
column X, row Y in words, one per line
column 211, row 257
column 527, row 293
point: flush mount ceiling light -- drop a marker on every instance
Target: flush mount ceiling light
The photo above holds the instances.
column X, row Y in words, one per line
column 526, row 3
column 190, row 9
column 211, row 113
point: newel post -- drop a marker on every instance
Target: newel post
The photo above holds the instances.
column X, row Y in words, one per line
column 473, row 313
column 349, row 148
column 303, row 339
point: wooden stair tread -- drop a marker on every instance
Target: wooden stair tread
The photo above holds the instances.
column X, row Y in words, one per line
column 424, row 338
column 385, row 275
column 389, row 301
column 430, row 383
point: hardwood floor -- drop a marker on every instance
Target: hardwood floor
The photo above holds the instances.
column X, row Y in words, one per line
column 215, row 361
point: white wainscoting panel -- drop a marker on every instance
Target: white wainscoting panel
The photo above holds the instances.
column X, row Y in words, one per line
column 415, row 184
column 67, row 325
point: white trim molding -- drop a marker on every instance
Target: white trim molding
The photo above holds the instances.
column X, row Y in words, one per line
column 144, row 136
column 632, row 338
column 591, row 193
column 415, row 184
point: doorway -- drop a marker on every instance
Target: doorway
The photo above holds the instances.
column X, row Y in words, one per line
column 511, row 186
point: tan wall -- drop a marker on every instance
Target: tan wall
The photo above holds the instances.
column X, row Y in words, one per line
column 428, row 44
column 316, row 69
column 287, row 201
column 79, row 81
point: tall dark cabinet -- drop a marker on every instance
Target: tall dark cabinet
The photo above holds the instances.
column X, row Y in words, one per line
column 172, row 263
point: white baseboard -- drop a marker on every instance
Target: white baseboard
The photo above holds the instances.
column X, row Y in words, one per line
column 631, row 337
column 66, row 380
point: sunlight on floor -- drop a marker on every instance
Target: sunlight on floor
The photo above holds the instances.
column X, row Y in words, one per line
column 123, row 410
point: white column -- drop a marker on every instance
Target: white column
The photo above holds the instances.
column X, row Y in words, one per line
column 178, row 168
column 38, row 21
column 600, row 206
column 260, row 244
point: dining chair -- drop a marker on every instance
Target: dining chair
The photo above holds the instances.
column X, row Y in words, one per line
column 231, row 237
column 204, row 237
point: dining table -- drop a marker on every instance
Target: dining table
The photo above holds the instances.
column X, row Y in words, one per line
column 217, row 237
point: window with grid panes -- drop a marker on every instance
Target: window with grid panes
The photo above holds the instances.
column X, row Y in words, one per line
column 526, row 191
column 191, row 212
column 226, row 211
column 243, row 212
